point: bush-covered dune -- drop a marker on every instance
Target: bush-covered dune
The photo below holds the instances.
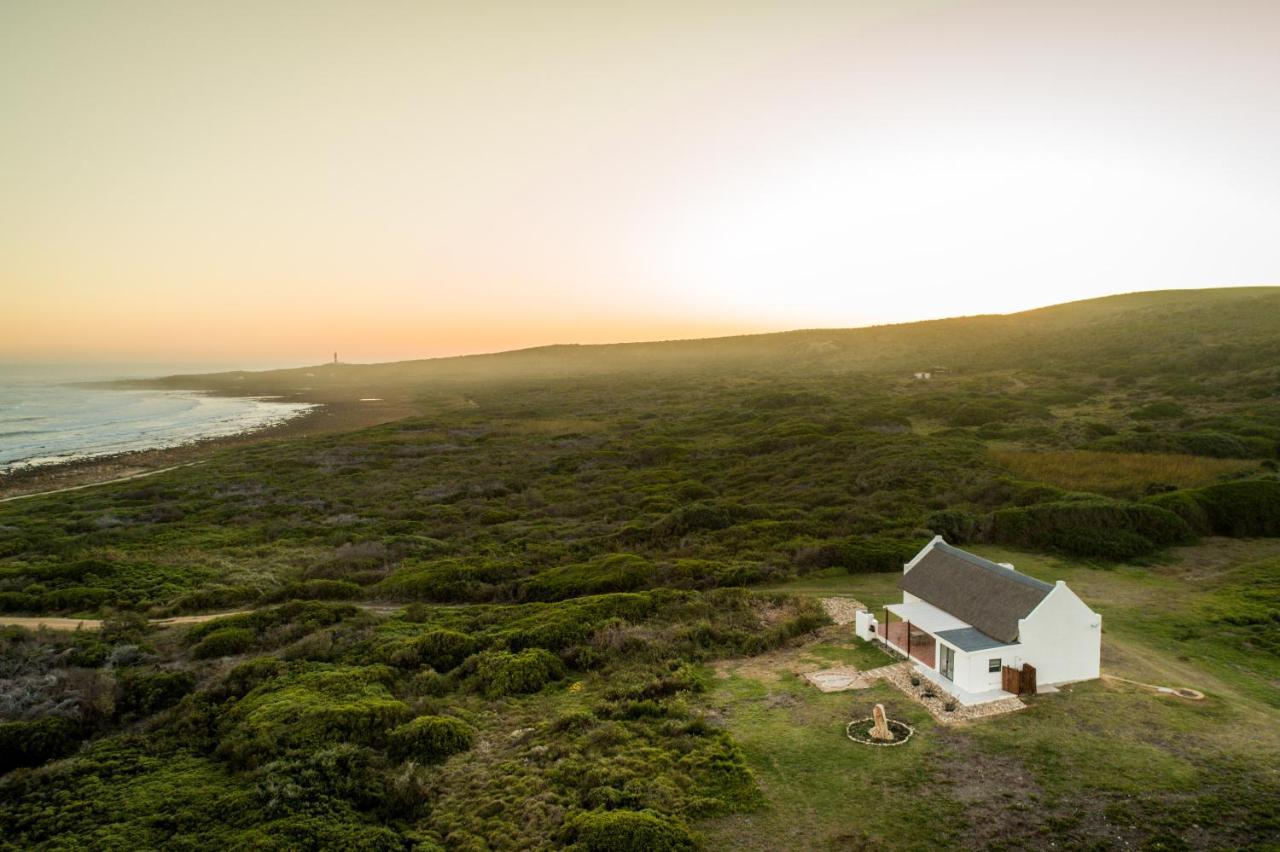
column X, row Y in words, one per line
column 488, row 626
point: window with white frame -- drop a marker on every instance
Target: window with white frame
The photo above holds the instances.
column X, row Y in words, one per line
column 993, row 664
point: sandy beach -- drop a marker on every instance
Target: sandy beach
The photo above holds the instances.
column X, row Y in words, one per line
column 326, row 417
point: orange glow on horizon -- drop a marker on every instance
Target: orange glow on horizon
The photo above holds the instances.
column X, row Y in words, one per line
column 240, row 182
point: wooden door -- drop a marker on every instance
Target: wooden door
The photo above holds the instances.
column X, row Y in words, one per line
column 1011, row 680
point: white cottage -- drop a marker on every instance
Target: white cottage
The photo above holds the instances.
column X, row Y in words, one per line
column 981, row 630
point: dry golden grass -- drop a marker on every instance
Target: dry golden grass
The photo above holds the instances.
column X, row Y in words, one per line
column 1119, row 474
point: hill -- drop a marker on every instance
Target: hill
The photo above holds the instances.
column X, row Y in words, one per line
column 1171, row 332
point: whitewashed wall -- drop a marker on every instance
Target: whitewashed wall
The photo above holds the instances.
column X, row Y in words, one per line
column 1062, row 638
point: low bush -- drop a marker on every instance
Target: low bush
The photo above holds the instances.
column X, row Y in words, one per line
column 1199, row 443
column 440, row 649
column 617, row 572
column 245, row 677
column 286, row 622
column 317, row 590
column 876, row 554
column 19, row 602
column 320, row 832
column 442, row 581
column 630, row 831
column 1101, row 529
column 1163, row 410
column 697, row 517
column 956, row 526
column 74, row 598
column 141, row 692
column 1249, row 507
column 224, row 643
column 501, row 673
column 36, row 742
column 317, row 704
column 431, row 738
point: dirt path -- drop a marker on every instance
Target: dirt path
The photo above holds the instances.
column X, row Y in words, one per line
column 55, row 623
column 1180, row 691
column 138, row 475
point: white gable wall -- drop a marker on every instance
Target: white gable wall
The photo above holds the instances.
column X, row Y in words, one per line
column 1062, row 638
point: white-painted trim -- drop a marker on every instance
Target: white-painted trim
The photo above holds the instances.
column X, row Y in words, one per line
column 937, row 539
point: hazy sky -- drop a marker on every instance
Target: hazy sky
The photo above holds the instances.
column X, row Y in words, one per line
column 270, row 181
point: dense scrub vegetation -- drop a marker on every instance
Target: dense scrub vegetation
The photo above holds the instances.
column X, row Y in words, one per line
column 482, row 627
column 320, row 739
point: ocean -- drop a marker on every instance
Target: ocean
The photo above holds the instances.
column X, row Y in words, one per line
column 46, row 420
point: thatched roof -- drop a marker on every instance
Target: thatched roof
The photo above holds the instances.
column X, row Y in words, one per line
column 988, row 596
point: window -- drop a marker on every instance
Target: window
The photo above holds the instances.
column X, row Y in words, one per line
column 993, row 664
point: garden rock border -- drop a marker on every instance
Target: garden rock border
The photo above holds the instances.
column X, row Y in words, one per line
column 901, row 729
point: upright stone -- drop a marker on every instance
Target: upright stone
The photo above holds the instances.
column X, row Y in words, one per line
column 880, row 731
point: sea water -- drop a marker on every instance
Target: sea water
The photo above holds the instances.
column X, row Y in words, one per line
column 45, row 419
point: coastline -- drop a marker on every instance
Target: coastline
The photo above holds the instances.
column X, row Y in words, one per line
column 326, row 417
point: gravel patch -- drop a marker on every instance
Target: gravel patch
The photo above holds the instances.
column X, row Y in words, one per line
column 842, row 678
column 842, row 610
column 838, row 679
column 899, row 674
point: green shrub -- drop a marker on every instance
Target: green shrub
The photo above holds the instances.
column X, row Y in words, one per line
column 617, row 572
column 441, row 649
column 319, row 832
column 324, row 780
column 1201, row 443
column 1158, row 411
column 430, row 682
column 19, row 602
column 244, row 678
column 75, row 598
column 501, row 673
column 319, row 704
column 286, row 622
column 1100, row 529
column 956, row 526
column 141, row 693
column 1248, row 507
column 630, row 831
column 696, row 517
column 859, row 554
column 442, row 581
column 34, row 743
column 1185, row 505
column 318, row 590
column 444, row 650
column 431, row 738
column 224, row 643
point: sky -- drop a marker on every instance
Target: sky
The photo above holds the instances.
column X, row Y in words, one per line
column 268, row 182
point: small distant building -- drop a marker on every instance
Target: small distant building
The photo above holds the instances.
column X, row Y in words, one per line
column 982, row 631
column 923, row 376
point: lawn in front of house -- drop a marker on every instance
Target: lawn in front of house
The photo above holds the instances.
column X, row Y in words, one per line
column 1100, row 763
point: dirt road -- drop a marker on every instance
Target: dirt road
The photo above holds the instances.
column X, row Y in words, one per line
column 35, row 622
column 138, row 475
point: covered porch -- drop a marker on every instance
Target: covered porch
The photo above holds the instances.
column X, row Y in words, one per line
column 912, row 627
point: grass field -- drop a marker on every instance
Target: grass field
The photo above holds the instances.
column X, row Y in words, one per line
column 1117, row 474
